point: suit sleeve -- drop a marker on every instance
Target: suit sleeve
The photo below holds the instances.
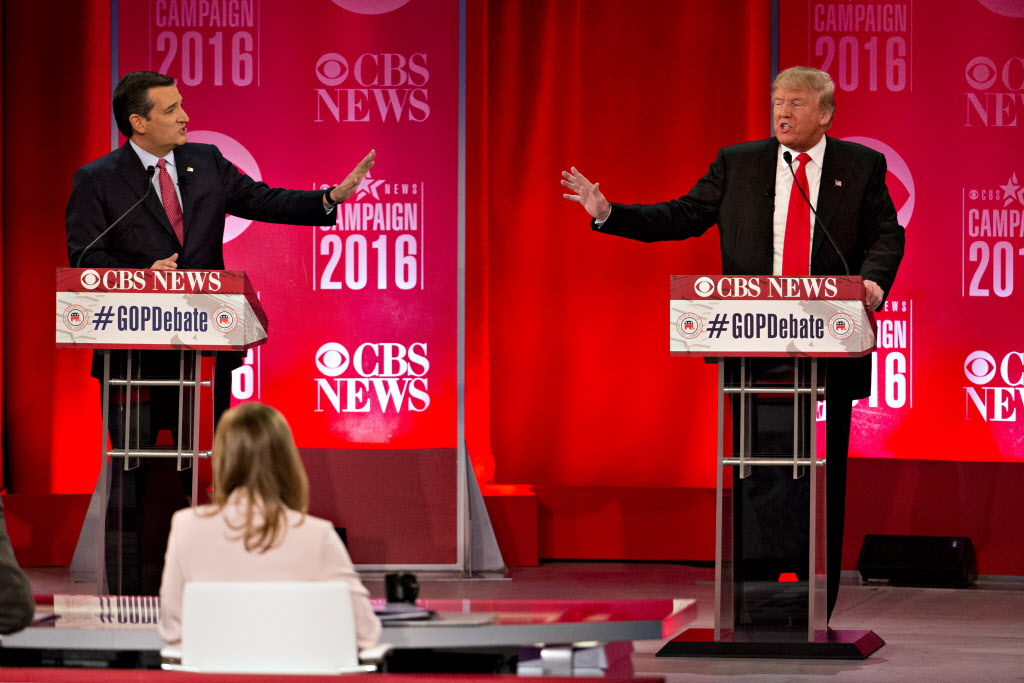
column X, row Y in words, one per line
column 16, row 603
column 254, row 200
column 337, row 566
column 883, row 237
column 172, row 586
column 677, row 219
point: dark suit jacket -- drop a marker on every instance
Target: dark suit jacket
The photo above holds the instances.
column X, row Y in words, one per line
column 738, row 194
column 105, row 188
column 16, row 603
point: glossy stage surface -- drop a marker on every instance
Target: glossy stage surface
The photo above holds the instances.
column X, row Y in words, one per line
column 931, row 634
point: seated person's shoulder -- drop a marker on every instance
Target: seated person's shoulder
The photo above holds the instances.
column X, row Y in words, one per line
column 296, row 518
column 190, row 516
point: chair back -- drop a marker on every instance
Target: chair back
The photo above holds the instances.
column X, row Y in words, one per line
column 287, row 627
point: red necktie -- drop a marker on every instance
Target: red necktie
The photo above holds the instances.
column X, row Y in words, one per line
column 796, row 252
column 173, row 208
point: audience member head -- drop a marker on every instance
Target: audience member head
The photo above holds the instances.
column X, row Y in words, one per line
column 254, row 454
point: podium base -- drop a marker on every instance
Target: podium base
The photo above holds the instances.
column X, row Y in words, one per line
column 700, row 642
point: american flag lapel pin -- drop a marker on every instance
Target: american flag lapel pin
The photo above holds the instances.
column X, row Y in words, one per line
column 839, row 183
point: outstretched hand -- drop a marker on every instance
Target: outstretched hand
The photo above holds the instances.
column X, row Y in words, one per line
column 351, row 182
column 586, row 193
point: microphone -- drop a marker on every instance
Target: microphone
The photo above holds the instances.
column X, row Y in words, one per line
column 788, row 158
column 150, row 170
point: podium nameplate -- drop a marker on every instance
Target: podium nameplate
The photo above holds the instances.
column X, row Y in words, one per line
column 732, row 315
column 203, row 310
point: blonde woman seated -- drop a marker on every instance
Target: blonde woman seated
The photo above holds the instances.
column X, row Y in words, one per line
column 257, row 528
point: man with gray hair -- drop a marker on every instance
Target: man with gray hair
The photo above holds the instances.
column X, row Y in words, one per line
column 767, row 228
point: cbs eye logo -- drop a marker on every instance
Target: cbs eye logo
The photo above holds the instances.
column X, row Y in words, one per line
column 980, row 367
column 90, row 279
column 704, row 286
column 981, row 73
column 332, row 69
column 332, row 359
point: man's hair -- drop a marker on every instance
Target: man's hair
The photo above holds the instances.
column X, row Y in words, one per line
column 807, row 78
column 254, row 455
column 131, row 96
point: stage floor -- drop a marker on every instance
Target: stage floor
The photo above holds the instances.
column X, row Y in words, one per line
column 931, row 634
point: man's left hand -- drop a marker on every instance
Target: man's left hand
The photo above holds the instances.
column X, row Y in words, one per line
column 350, row 184
column 873, row 295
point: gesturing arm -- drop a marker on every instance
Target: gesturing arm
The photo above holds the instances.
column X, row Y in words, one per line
column 688, row 216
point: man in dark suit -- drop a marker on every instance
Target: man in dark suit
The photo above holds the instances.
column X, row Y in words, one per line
column 179, row 224
column 16, row 603
column 194, row 180
column 749, row 193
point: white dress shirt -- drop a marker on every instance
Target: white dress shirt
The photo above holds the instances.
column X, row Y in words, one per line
column 172, row 172
column 783, row 188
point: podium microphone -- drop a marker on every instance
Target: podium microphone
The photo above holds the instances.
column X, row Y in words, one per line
column 150, row 170
column 788, row 158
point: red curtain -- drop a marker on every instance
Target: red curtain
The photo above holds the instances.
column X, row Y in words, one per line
column 3, row 62
column 557, row 318
column 562, row 385
column 569, row 381
column 56, row 117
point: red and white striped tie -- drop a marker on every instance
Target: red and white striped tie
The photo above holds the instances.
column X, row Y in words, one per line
column 171, row 205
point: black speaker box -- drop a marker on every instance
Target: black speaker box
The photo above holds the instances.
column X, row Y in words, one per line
column 918, row 560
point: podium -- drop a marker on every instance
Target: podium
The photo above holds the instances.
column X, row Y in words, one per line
column 767, row 335
column 149, row 329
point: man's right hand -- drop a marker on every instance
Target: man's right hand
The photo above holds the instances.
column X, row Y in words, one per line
column 350, row 184
column 587, row 193
column 169, row 263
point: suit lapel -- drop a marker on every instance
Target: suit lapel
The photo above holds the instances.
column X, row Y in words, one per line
column 830, row 191
column 130, row 168
column 765, row 220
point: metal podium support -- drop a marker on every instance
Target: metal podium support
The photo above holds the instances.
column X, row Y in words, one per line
column 805, row 391
column 767, row 334
column 124, row 447
column 186, row 381
column 795, row 626
column 166, row 321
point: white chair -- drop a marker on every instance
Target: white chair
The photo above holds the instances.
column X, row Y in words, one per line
column 271, row 627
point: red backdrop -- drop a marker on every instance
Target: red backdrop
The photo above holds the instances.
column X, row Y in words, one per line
column 56, row 117
column 582, row 391
column 562, row 388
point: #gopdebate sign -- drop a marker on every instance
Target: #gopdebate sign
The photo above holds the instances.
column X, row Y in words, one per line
column 728, row 315
column 110, row 308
